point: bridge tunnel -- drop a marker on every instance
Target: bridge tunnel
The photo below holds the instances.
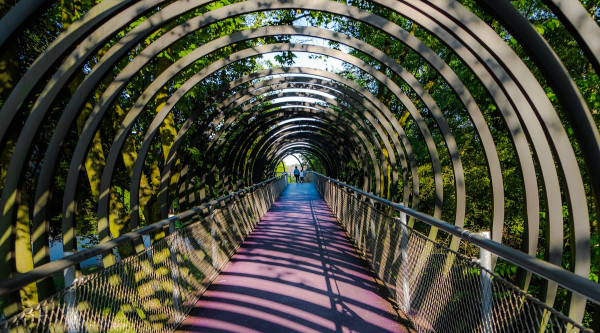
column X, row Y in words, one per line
column 116, row 113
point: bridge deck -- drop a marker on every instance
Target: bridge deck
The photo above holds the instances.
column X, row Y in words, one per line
column 296, row 272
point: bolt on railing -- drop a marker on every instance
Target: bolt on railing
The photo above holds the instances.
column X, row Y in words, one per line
column 153, row 290
column 438, row 289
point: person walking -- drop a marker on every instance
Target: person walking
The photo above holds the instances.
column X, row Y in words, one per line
column 302, row 176
column 296, row 174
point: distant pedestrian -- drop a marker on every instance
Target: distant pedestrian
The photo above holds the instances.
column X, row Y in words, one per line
column 296, row 174
column 302, row 176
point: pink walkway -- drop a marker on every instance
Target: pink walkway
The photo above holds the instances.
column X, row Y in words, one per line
column 297, row 272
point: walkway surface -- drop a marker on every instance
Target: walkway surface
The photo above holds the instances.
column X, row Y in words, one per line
column 297, row 272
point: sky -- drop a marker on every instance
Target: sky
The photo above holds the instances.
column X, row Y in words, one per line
column 290, row 160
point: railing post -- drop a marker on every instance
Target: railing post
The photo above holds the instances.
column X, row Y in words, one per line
column 485, row 260
column 213, row 236
column 403, row 276
column 72, row 315
column 175, row 271
column 234, row 200
column 342, row 214
column 356, row 215
column 371, row 228
column 255, row 207
column 246, row 209
column 261, row 201
column 327, row 192
column 338, row 200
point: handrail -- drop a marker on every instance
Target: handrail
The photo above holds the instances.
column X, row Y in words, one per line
column 544, row 269
column 19, row 281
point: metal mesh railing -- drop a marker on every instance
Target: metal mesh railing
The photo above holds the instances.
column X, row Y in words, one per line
column 438, row 289
column 154, row 290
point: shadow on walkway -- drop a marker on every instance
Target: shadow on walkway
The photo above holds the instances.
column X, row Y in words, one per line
column 297, row 272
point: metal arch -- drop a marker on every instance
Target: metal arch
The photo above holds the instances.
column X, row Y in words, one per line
column 429, row 102
column 304, row 154
column 177, row 95
column 361, row 141
column 296, row 128
column 295, row 137
column 576, row 109
column 303, row 151
column 510, row 94
column 280, row 159
column 353, row 102
column 436, row 31
column 229, row 86
column 431, row 146
column 504, row 58
column 249, row 106
column 234, row 159
column 258, row 166
column 128, row 122
column 65, row 42
column 532, row 230
column 368, row 100
column 23, row 88
column 71, row 35
column 284, row 138
column 581, row 26
column 293, row 148
column 15, row 17
column 455, row 84
column 297, row 149
column 171, row 158
column 263, row 98
column 310, row 162
column 493, row 161
column 143, row 151
column 100, row 70
column 583, row 125
column 361, row 133
column 44, row 101
column 272, row 150
column 332, row 88
column 513, row 124
column 335, row 86
column 190, row 83
column 329, row 115
column 294, row 156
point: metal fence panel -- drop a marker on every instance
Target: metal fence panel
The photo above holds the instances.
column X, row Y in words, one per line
column 153, row 290
column 438, row 289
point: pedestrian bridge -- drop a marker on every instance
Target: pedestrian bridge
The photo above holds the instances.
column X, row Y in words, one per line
column 297, row 271
column 144, row 148
column 279, row 257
